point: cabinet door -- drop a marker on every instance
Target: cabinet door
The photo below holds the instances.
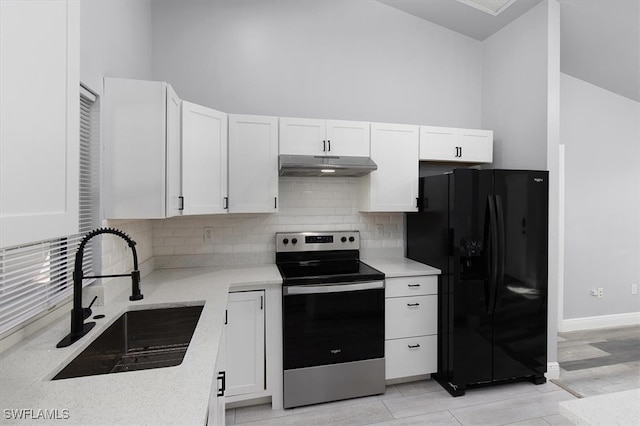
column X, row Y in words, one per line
column 476, row 146
column 216, row 414
column 39, row 116
column 348, row 138
column 302, row 136
column 394, row 186
column 253, row 164
column 204, row 159
column 174, row 160
column 439, row 143
column 245, row 343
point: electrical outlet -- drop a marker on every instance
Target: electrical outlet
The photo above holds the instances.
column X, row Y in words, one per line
column 634, row 288
column 208, row 235
column 600, row 293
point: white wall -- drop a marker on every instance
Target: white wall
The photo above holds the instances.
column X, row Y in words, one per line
column 601, row 132
column 316, row 204
column 358, row 60
column 115, row 41
column 514, row 91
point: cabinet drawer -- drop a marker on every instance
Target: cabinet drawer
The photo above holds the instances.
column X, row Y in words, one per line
column 411, row 286
column 411, row 316
column 411, row 356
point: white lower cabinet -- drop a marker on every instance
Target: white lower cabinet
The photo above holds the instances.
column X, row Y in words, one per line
column 245, row 343
column 411, row 308
column 216, row 414
column 412, row 356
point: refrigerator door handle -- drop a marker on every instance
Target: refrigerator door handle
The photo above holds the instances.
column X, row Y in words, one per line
column 493, row 253
column 501, row 250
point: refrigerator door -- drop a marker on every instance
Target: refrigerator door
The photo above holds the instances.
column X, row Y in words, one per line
column 471, row 317
column 520, row 313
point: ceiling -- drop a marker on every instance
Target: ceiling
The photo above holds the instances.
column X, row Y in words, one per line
column 600, row 39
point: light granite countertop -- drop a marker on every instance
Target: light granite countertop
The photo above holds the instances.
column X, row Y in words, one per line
column 173, row 395
column 400, row 267
column 618, row 408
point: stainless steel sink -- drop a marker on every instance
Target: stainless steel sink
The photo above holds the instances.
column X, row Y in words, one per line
column 138, row 340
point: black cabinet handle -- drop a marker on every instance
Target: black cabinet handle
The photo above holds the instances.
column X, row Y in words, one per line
column 261, row 303
column 275, row 202
column 180, row 202
column 324, row 146
column 458, row 151
column 417, row 345
column 329, row 143
column 413, row 285
column 222, row 376
column 413, row 304
column 225, row 204
column 226, row 316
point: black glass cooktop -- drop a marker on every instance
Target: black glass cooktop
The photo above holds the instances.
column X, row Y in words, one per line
column 327, row 272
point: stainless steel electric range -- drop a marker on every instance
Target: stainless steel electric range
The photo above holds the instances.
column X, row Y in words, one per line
column 333, row 318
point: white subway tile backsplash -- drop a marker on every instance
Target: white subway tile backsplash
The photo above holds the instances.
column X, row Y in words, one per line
column 317, row 204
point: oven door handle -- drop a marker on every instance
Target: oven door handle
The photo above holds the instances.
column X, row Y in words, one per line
column 319, row 289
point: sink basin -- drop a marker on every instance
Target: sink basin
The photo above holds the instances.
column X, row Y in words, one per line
column 137, row 340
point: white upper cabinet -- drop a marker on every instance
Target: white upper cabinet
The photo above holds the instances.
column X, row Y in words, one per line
column 348, row 138
column 39, row 116
column 174, row 157
column 303, row 136
column 447, row 144
column 253, row 164
column 204, row 160
column 142, row 176
column 394, row 186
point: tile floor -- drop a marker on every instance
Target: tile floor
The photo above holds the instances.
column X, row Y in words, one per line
column 597, row 362
column 591, row 363
column 420, row 403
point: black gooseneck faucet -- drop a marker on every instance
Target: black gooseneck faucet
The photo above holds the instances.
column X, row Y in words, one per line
column 78, row 313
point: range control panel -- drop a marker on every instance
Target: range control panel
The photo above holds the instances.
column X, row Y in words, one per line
column 317, row 241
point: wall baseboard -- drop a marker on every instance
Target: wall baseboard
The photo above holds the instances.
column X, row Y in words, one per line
column 602, row 321
column 553, row 371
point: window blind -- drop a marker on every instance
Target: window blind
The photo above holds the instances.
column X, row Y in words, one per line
column 38, row 276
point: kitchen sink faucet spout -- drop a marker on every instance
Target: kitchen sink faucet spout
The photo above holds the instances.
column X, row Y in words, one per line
column 78, row 314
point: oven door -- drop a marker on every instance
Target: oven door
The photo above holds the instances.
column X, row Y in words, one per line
column 330, row 324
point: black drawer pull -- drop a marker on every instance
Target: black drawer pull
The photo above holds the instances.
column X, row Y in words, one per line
column 222, row 376
column 417, row 345
column 413, row 304
column 413, row 285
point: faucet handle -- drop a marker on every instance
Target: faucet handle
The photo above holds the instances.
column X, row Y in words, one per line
column 86, row 312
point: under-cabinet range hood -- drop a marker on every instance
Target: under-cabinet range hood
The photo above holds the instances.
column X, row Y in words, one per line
column 319, row 165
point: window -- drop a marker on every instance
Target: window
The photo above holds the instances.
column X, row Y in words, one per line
column 38, row 276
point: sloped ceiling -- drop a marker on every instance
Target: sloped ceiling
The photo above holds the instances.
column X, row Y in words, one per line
column 460, row 17
column 600, row 39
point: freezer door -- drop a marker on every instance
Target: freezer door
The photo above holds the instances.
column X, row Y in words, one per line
column 520, row 315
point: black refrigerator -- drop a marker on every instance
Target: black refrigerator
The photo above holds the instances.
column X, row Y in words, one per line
column 486, row 230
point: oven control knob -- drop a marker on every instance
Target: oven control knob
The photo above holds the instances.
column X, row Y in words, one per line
column 294, row 240
column 286, row 241
column 343, row 239
column 351, row 239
